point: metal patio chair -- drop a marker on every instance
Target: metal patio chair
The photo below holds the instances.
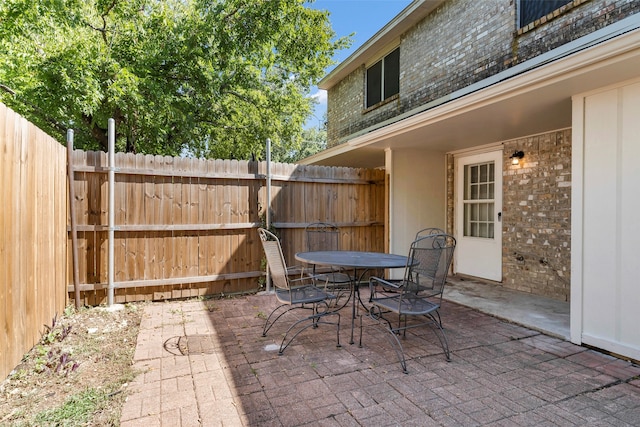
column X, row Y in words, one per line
column 322, row 236
column 293, row 294
column 418, row 295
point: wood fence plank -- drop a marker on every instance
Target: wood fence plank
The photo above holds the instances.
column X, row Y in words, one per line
column 199, row 194
column 6, row 181
column 22, row 278
column 37, row 164
column 193, row 209
column 79, row 183
column 54, row 272
column 100, row 240
column 149, row 242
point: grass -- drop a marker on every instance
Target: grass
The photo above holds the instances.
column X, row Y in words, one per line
column 76, row 410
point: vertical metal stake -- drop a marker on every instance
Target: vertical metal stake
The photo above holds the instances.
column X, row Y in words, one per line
column 268, row 213
column 112, row 216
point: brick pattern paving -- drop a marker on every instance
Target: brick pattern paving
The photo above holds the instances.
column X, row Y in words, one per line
column 501, row 374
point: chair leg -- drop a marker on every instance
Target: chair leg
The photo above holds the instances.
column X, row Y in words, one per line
column 394, row 332
column 395, row 342
column 441, row 336
column 315, row 319
column 268, row 326
column 338, row 345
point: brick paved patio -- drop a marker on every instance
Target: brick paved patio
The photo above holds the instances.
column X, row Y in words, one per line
column 206, row 364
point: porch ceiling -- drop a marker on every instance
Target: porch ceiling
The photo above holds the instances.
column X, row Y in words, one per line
column 529, row 103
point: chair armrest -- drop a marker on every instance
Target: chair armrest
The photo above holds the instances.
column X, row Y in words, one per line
column 297, row 270
column 303, row 280
column 385, row 283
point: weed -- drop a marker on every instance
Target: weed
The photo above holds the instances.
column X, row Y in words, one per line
column 55, row 361
column 69, row 310
column 19, row 374
column 53, row 334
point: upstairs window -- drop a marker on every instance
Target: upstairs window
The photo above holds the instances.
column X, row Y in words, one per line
column 383, row 79
column 530, row 10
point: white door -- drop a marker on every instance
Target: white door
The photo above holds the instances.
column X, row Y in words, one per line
column 478, row 215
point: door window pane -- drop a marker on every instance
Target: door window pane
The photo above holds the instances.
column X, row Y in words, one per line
column 479, row 206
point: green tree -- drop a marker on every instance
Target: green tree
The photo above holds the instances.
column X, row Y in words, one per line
column 209, row 78
column 311, row 141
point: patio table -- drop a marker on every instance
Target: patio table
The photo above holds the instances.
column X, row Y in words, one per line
column 357, row 261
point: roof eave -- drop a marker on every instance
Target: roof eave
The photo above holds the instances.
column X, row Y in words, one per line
column 404, row 21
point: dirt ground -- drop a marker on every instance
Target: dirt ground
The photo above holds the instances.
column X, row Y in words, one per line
column 77, row 374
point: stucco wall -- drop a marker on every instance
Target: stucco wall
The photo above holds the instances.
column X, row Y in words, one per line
column 460, row 43
column 418, row 192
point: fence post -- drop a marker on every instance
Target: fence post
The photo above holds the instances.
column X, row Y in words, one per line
column 112, row 216
column 268, row 213
column 72, row 218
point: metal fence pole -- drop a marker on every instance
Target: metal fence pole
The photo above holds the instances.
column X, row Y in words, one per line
column 112, row 216
column 268, row 213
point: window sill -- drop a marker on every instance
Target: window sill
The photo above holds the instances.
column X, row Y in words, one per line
column 381, row 103
column 549, row 17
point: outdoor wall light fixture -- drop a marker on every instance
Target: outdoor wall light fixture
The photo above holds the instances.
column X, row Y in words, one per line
column 516, row 156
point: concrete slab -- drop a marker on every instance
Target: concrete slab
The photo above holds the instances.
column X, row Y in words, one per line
column 538, row 313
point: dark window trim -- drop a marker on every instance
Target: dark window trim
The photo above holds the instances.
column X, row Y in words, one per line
column 383, row 73
column 562, row 9
column 381, row 103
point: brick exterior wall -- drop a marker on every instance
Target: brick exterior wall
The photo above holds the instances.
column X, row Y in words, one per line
column 460, row 43
column 536, row 214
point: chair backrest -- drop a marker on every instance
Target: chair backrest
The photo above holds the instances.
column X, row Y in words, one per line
column 322, row 236
column 275, row 258
column 430, row 258
column 429, row 231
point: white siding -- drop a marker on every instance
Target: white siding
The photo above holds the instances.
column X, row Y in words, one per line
column 607, row 313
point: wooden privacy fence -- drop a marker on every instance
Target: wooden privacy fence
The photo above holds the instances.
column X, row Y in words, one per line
column 184, row 227
column 187, row 227
column 33, row 235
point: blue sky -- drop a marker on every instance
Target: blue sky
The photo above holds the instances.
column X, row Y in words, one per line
column 362, row 17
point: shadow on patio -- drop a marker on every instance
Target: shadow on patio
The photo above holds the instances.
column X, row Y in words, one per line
column 206, row 363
